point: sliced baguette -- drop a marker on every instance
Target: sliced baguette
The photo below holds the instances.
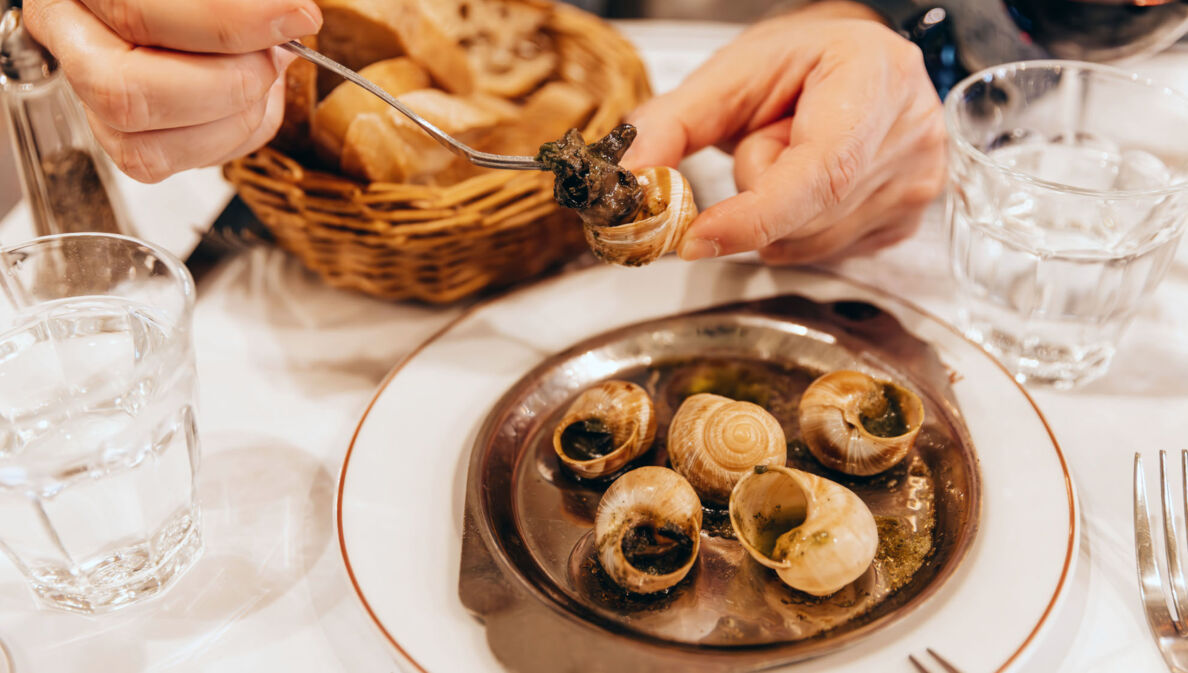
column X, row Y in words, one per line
column 333, row 116
column 387, row 147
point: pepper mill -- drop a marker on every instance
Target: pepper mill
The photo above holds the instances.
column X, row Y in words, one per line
column 66, row 179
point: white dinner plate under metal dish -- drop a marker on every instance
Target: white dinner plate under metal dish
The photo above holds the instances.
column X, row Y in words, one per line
column 402, row 489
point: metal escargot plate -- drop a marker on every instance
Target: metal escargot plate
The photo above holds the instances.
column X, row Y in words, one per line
column 450, row 489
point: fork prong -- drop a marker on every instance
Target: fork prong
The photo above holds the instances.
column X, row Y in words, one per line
column 1184, row 492
column 1150, row 587
column 949, row 668
column 1171, row 545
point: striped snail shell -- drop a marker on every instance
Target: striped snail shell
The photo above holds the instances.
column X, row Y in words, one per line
column 606, row 427
column 648, row 529
column 668, row 209
column 859, row 425
column 815, row 533
column 714, row 440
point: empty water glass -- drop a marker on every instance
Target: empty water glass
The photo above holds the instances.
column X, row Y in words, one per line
column 98, row 449
column 1068, row 195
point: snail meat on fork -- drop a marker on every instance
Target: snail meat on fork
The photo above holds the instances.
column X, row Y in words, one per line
column 629, row 219
column 648, row 529
column 816, row 534
column 859, row 425
column 606, row 427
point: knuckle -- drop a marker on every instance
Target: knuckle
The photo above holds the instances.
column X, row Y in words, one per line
column 842, row 168
column 907, row 65
column 762, row 231
column 935, row 136
column 227, row 36
column 119, row 100
column 921, row 193
column 247, row 122
column 250, row 84
column 143, row 160
column 127, row 19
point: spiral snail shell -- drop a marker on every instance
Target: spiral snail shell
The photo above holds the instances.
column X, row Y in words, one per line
column 606, row 427
column 859, row 425
column 816, row 534
column 648, row 529
column 714, row 440
column 657, row 228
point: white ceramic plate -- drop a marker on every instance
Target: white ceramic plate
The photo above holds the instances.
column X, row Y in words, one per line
column 401, row 491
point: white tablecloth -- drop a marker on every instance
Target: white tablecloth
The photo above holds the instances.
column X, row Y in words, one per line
column 287, row 366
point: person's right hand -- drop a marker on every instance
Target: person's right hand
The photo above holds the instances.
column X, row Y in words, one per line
column 836, row 130
column 175, row 84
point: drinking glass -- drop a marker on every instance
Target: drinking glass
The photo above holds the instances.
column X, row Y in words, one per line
column 98, row 448
column 1067, row 199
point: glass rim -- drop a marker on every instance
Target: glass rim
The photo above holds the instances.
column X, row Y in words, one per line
column 995, row 71
column 177, row 268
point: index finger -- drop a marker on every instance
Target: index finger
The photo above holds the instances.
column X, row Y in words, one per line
column 839, row 123
column 725, row 97
column 213, row 26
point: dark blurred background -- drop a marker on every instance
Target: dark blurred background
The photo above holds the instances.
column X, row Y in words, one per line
column 709, row 10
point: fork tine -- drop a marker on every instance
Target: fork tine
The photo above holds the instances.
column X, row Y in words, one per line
column 1150, row 587
column 1175, row 573
column 1184, row 492
column 949, row 668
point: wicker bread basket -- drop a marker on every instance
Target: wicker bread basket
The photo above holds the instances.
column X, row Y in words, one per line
column 441, row 244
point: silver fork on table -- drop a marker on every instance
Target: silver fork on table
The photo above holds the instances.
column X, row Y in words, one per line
column 507, row 161
column 1167, row 624
column 945, row 666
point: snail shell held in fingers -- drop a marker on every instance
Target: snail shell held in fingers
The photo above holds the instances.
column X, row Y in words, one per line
column 859, row 425
column 657, row 228
column 816, row 534
column 648, row 529
column 714, row 440
column 606, row 427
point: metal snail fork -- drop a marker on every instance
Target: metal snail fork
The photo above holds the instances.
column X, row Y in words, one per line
column 1166, row 605
column 486, row 159
column 944, row 665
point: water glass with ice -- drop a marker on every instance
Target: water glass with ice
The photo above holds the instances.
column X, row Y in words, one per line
column 1067, row 199
column 98, row 448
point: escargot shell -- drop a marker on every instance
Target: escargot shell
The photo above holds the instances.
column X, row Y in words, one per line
column 859, row 425
column 816, row 534
column 714, row 440
column 648, row 529
column 667, row 210
column 606, row 427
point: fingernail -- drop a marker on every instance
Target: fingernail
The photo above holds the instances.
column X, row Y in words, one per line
column 699, row 248
column 295, row 24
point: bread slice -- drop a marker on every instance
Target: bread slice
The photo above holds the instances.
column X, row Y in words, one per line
column 360, row 32
column 388, row 147
column 333, row 116
column 508, row 51
column 494, row 46
column 548, row 113
column 293, row 136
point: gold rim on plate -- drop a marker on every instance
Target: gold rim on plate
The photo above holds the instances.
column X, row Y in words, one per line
column 469, row 311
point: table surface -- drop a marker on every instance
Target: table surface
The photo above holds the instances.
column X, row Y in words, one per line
column 287, row 365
